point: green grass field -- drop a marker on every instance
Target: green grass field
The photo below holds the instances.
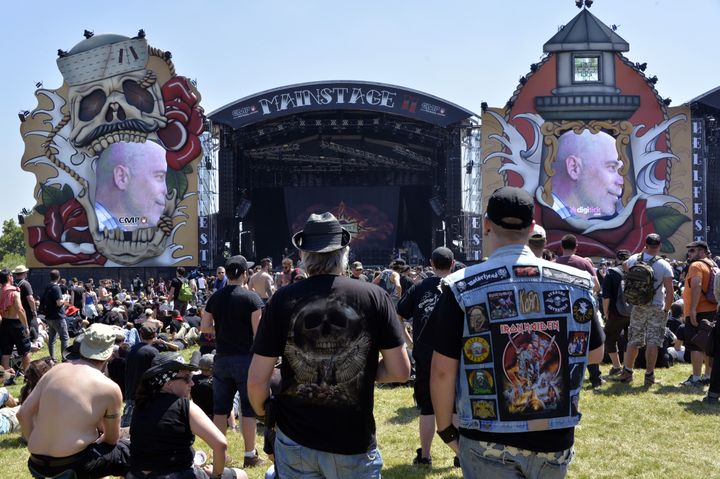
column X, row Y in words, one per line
column 626, row 431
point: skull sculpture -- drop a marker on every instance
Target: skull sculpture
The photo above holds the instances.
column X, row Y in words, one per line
column 121, row 108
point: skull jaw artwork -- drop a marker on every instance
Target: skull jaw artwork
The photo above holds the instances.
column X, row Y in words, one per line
column 327, row 352
column 105, row 208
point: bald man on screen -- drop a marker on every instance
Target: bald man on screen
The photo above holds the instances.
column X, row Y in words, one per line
column 131, row 189
column 587, row 183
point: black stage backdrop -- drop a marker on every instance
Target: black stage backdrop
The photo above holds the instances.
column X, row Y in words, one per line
column 380, row 219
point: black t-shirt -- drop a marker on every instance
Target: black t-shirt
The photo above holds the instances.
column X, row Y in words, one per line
column 231, row 308
column 78, row 297
column 202, row 393
column 444, row 331
column 25, row 291
column 175, row 284
column 418, row 303
column 405, row 283
column 161, row 436
column 138, row 361
column 49, row 300
column 610, row 286
column 329, row 330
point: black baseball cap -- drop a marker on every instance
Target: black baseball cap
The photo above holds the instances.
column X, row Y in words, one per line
column 653, row 239
column 511, row 208
column 237, row 265
column 698, row 244
column 622, row 254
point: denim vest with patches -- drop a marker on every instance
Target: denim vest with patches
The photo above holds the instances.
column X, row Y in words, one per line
column 525, row 342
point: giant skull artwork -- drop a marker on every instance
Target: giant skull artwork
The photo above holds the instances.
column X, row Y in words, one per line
column 327, row 351
column 121, row 133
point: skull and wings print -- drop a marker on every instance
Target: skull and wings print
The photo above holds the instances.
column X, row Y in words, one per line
column 327, row 350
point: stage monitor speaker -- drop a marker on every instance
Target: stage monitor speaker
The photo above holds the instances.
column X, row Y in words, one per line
column 243, row 208
column 437, row 206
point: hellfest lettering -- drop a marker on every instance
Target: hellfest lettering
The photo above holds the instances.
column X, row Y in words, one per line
column 327, row 96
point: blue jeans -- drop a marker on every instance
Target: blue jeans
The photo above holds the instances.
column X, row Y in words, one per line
column 483, row 459
column 295, row 461
column 230, row 375
column 55, row 327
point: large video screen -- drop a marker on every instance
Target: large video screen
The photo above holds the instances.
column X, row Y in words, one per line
column 369, row 214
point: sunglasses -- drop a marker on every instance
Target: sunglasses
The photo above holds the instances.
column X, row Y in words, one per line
column 187, row 379
column 691, row 250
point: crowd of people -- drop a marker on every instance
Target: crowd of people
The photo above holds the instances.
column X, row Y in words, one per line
column 496, row 354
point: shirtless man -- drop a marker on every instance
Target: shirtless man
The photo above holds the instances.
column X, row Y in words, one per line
column 286, row 275
column 14, row 330
column 262, row 282
column 71, row 420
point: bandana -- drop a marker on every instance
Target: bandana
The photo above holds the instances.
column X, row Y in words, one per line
column 158, row 381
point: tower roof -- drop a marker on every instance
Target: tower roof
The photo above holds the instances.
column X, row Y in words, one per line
column 586, row 32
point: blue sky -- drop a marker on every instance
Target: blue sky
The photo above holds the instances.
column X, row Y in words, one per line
column 466, row 52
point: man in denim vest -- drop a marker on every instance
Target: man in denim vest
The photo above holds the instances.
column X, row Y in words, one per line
column 512, row 338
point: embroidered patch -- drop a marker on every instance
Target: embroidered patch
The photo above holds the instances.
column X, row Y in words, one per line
column 526, row 271
column 480, row 382
column 502, row 305
column 483, row 409
column 556, row 302
column 583, row 310
column 486, row 277
column 477, row 319
column 562, row 276
column 529, row 301
column 577, row 345
column 476, row 349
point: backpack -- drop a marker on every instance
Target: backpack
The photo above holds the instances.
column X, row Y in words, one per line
column 714, row 270
column 621, row 304
column 387, row 284
column 640, row 282
column 185, row 293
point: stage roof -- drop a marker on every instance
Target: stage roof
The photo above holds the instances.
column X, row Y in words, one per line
column 339, row 95
column 710, row 98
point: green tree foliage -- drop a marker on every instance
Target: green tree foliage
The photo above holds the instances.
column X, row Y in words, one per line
column 11, row 260
column 12, row 243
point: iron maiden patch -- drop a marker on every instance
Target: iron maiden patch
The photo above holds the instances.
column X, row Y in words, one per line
column 502, row 305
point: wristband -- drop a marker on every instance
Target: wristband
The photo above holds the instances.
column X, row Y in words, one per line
column 449, row 434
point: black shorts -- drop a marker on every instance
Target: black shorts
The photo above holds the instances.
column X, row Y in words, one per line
column 615, row 325
column 422, row 388
column 96, row 460
column 689, row 331
column 12, row 333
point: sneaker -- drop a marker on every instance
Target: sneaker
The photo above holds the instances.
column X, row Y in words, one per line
column 705, row 380
column 254, row 461
column 712, row 400
column 693, row 383
column 649, row 379
column 615, row 371
column 596, row 382
column 456, row 461
column 626, row 376
column 421, row 461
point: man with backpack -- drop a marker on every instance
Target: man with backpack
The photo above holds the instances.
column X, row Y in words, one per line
column 699, row 305
column 180, row 290
column 617, row 311
column 648, row 287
